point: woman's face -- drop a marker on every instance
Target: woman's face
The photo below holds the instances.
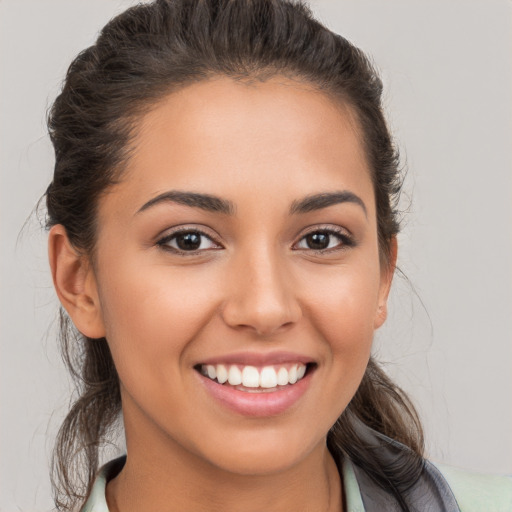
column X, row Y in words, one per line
column 241, row 242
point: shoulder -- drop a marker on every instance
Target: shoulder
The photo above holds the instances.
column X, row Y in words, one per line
column 476, row 492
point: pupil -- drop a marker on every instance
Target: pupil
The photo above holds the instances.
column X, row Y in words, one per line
column 189, row 241
column 318, row 240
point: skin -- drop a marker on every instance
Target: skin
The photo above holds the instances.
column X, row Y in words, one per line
column 257, row 287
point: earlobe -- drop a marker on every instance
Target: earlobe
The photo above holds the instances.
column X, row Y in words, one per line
column 75, row 284
column 380, row 317
column 387, row 273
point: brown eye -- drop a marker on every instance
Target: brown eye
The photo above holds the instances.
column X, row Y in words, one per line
column 325, row 240
column 187, row 241
column 318, row 241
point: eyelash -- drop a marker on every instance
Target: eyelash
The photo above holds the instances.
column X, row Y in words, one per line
column 346, row 241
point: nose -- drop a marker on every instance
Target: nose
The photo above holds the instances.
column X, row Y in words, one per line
column 260, row 296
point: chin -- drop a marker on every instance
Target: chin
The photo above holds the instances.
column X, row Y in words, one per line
column 264, row 454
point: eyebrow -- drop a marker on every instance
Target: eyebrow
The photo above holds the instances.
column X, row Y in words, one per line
column 325, row 199
column 218, row 205
column 193, row 199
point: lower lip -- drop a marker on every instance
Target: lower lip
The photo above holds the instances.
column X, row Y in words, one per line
column 270, row 403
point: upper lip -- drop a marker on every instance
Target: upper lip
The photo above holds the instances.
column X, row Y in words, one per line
column 258, row 359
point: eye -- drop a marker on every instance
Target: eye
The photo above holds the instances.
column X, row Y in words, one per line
column 325, row 240
column 189, row 240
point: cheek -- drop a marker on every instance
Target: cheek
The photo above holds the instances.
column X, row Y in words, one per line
column 346, row 306
column 152, row 315
column 344, row 315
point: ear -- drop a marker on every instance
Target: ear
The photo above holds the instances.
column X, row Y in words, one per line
column 386, row 277
column 75, row 283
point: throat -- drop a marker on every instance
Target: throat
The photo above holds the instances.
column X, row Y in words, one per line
column 282, row 492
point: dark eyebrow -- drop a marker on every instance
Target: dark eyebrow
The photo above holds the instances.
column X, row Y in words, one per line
column 218, row 205
column 195, row 200
column 325, row 199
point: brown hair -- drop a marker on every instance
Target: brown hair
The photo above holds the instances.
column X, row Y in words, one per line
column 139, row 56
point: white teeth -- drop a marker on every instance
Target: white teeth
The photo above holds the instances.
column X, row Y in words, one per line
column 211, row 371
column 222, row 373
column 234, row 376
column 292, row 374
column 268, row 377
column 282, row 377
column 251, row 377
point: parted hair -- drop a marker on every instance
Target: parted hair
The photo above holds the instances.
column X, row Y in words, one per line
column 143, row 54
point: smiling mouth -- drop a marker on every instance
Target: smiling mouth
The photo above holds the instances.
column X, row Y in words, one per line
column 253, row 379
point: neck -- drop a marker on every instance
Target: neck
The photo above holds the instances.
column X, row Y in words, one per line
column 164, row 476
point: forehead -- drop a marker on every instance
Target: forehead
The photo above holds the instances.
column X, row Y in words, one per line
column 222, row 135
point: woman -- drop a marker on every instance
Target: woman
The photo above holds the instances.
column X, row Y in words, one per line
column 223, row 239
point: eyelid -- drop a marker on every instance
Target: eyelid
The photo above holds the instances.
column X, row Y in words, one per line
column 168, row 235
column 345, row 236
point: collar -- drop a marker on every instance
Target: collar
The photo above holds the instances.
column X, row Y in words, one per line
column 97, row 501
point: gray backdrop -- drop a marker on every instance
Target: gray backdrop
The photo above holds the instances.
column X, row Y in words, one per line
column 446, row 67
